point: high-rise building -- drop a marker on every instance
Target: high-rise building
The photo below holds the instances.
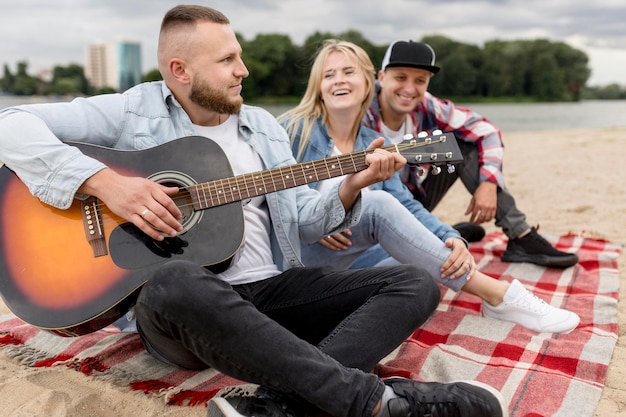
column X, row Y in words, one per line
column 96, row 66
column 115, row 64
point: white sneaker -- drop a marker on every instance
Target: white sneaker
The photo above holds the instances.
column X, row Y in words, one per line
column 526, row 309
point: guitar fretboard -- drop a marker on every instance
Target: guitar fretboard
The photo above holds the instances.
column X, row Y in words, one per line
column 227, row 190
column 241, row 187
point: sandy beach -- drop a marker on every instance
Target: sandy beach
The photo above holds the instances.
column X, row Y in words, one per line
column 565, row 181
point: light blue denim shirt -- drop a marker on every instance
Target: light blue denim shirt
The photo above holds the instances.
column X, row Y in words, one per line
column 321, row 146
column 140, row 118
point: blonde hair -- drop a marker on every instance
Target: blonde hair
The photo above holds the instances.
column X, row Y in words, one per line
column 311, row 106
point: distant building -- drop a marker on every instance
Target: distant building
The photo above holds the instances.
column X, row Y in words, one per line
column 115, row 64
column 96, row 66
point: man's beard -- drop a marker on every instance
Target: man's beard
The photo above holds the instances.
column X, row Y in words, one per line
column 213, row 99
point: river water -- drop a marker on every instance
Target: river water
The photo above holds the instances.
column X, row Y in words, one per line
column 509, row 117
column 516, row 117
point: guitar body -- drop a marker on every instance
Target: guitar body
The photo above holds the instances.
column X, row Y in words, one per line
column 53, row 278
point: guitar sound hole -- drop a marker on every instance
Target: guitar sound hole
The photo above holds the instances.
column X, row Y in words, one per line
column 184, row 203
column 182, row 198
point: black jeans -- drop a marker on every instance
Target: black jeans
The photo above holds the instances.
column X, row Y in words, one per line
column 311, row 333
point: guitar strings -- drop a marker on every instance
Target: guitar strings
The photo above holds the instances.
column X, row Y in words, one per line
column 295, row 172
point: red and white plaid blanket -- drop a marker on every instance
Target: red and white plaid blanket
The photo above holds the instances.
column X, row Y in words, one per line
column 540, row 374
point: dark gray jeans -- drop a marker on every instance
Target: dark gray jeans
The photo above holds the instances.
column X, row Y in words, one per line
column 508, row 216
column 311, row 333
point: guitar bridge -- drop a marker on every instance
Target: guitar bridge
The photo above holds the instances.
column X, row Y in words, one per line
column 93, row 226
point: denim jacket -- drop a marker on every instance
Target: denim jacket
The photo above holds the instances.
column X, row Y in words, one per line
column 142, row 117
column 321, row 146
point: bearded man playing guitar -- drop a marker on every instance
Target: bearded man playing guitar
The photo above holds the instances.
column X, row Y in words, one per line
column 201, row 239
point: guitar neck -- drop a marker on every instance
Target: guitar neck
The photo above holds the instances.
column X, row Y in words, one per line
column 241, row 187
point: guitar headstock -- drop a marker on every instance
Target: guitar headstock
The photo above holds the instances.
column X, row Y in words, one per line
column 437, row 149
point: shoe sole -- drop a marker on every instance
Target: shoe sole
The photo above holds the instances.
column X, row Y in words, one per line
column 571, row 328
column 566, row 330
column 220, row 407
column 542, row 260
column 503, row 407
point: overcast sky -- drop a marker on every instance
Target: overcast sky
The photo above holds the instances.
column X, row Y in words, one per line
column 47, row 33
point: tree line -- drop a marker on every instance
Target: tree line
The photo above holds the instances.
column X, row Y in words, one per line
column 531, row 70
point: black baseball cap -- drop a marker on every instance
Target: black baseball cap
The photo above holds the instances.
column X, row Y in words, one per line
column 410, row 54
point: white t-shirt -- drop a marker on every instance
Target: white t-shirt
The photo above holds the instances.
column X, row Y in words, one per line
column 254, row 260
column 397, row 136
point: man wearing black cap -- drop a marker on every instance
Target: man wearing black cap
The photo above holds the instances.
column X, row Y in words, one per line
column 402, row 105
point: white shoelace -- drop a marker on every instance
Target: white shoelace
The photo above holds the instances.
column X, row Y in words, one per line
column 532, row 303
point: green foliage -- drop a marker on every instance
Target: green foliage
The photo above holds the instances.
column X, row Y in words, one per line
column 20, row 84
column 523, row 70
column 105, row 90
column 273, row 64
column 608, row 92
column 152, row 75
column 68, row 80
column 8, row 80
column 460, row 64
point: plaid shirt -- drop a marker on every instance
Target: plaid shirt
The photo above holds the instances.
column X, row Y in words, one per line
column 434, row 113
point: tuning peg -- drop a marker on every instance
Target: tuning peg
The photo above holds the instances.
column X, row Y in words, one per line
column 435, row 170
column 451, row 169
column 422, row 134
column 437, row 132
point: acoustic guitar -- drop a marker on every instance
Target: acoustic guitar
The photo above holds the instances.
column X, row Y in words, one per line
column 75, row 271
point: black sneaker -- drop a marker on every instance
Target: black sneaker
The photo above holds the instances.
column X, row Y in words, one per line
column 469, row 231
column 535, row 249
column 456, row 399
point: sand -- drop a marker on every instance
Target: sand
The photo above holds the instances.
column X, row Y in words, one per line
column 565, row 181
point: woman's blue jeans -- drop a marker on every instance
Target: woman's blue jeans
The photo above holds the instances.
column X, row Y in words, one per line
column 311, row 333
column 387, row 234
